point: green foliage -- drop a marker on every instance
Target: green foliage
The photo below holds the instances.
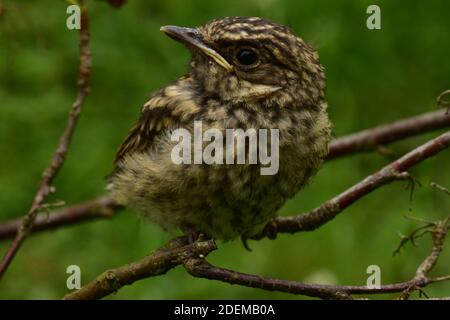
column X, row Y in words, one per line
column 373, row 77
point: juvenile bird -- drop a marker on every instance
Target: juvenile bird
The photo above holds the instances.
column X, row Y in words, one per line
column 245, row 72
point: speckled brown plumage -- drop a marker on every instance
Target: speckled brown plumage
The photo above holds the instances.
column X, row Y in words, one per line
column 283, row 89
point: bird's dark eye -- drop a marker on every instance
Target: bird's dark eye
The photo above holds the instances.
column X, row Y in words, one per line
column 247, row 57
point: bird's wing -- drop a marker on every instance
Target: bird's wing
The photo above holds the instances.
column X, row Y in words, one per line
column 166, row 109
column 154, row 119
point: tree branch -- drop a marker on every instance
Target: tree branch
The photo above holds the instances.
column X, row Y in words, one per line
column 86, row 211
column 371, row 139
column 331, row 208
column 157, row 263
column 45, row 185
column 192, row 257
column 202, row 269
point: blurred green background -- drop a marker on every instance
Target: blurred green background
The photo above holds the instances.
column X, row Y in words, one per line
column 373, row 77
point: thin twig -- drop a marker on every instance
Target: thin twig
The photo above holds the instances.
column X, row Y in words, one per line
column 412, row 237
column 439, row 233
column 438, row 230
column 440, row 188
column 443, row 103
column 45, row 185
column 99, row 208
column 202, row 269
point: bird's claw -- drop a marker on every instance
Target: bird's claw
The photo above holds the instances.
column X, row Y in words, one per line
column 245, row 243
column 193, row 234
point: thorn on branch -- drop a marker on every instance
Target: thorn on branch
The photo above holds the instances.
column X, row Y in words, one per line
column 439, row 187
column 411, row 184
column 412, row 237
column 406, row 294
column 47, row 206
column 442, row 103
column 428, row 227
column 422, row 293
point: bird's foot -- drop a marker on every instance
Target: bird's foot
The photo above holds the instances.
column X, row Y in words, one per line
column 245, row 243
column 193, row 234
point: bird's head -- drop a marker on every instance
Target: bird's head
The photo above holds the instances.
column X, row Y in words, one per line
column 251, row 59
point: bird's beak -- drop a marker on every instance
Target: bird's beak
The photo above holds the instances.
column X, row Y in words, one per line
column 192, row 37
